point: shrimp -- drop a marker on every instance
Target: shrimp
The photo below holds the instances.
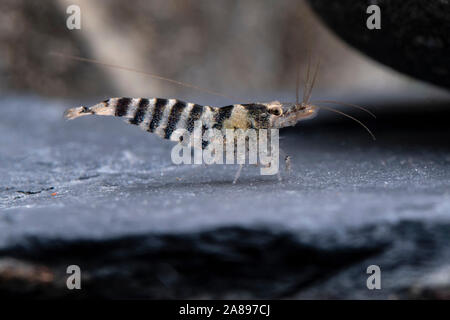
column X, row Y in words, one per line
column 164, row 117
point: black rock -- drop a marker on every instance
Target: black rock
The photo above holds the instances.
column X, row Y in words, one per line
column 414, row 37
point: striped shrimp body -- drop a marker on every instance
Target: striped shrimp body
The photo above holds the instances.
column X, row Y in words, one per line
column 164, row 116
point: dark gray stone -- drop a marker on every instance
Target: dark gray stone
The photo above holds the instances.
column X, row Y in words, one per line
column 414, row 37
column 138, row 226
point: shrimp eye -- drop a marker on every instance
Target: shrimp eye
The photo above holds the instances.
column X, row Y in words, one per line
column 276, row 111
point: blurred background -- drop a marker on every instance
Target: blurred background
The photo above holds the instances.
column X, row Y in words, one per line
column 246, row 49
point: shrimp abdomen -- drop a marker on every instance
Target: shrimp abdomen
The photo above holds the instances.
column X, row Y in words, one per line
column 157, row 115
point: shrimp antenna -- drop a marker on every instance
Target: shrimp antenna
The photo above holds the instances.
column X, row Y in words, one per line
column 308, row 69
column 179, row 83
column 313, row 81
column 345, row 104
column 297, row 83
column 349, row 116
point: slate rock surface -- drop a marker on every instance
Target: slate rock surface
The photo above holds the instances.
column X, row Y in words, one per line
column 101, row 194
